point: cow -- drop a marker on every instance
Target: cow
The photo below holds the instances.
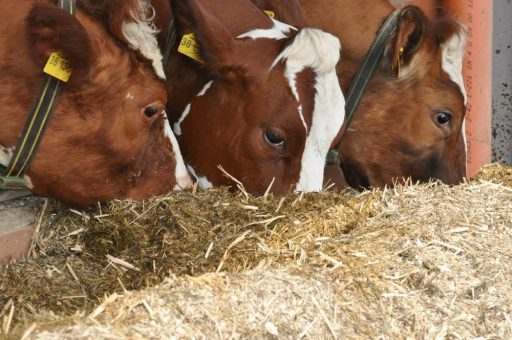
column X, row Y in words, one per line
column 261, row 100
column 109, row 136
column 410, row 123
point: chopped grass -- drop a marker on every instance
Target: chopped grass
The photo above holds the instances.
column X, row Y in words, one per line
column 419, row 260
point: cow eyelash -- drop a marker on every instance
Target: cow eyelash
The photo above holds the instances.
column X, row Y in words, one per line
column 275, row 139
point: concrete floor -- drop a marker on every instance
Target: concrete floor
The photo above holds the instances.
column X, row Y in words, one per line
column 17, row 220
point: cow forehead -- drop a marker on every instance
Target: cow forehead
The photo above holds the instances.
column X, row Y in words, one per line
column 328, row 117
column 180, row 170
column 319, row 51
column 141, row 34
column 278, row 31
column 452, row 60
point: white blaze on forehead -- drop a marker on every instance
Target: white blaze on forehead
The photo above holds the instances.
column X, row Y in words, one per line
column 291, row 76
column 141, row 35
column 320, row 51
column 277, row 32
column 301, row 114
column 181, row 170
column 185, row 113
column 203, row 182
column 452, row 58
column 328, row 117
column 452, row 61
column 303, row 53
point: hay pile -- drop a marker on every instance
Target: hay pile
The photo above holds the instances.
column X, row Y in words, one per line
column 415, row 261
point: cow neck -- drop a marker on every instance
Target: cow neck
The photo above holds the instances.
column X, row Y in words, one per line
column 363, row 76
column 13, row 176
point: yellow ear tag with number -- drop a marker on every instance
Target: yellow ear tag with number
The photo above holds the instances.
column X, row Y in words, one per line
column 58, row 67
column 270, row 14
column 189, row 47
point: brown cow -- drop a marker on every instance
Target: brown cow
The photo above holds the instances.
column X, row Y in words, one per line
column 265, row 102
column 410, row 122
column 108, row 137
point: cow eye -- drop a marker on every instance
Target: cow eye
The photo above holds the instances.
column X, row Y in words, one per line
column 275, row 139
column 150, row 111
column 443, row 118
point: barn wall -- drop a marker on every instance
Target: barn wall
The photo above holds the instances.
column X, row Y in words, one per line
column 502, row 82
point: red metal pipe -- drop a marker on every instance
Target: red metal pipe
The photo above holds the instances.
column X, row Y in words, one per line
column 478, row 18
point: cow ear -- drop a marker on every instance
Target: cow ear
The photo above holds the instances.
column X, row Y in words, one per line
column 287, row 11
column 216, row 44
column 50, row 29
column 409, row 36
column 132, row 22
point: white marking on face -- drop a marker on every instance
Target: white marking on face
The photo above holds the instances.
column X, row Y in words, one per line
column 453, row 56
column 205, row 89
column 320, row 51
column 141, row 35
column 129, row 96
column 278, row 31
column 183, row 180
column 301, row 114
column 203, row 182
column 185, row 113
column 452, row 61
column 5, row 155
column 464, row 137
column 292, row 83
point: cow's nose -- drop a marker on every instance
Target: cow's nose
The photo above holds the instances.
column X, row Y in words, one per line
column 183, row 182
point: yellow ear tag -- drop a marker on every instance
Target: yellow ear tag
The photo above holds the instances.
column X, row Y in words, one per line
column 189, row 47
column 58, row 67
column 270, row 14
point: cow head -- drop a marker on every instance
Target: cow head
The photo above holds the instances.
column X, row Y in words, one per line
column 109, row 136
column 268, row 108
column 411, row 121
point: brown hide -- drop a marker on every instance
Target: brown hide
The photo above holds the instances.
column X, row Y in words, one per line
column 396, row 132
column 106, row 137
column 247, row 102
column 288, row 11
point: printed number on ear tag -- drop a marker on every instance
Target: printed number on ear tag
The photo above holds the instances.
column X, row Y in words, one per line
column 58, row 67
column 270, row 14
column 189, row 47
